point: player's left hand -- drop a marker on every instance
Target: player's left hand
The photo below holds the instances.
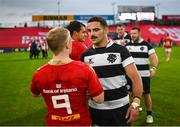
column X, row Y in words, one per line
column 132, row 114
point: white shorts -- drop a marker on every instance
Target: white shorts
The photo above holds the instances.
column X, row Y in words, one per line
column 167, row 49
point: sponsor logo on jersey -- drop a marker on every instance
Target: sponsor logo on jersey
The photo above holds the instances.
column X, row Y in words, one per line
column 66, row 118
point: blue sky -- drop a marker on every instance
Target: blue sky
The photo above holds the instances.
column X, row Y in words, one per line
column 16, row 11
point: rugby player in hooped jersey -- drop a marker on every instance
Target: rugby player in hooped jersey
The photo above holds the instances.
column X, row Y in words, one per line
column 123, row 36
column 64, row 84
column 111, row 63
column 141, row 51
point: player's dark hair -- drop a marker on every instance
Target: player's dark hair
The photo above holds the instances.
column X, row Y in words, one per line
column 136, row 28
column 98, row 19
column 74, row 26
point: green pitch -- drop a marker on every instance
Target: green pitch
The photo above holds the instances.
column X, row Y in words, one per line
column 18, row 107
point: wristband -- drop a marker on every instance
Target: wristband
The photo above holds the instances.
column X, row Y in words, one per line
column 137, row 97
column 135, row 105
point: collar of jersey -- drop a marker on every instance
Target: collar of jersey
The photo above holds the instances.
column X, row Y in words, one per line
column 108, row 45
column 141, row 40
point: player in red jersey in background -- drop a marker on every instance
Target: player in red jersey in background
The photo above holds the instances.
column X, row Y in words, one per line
column 168, row 47
column 78, row 34
column 64, row 84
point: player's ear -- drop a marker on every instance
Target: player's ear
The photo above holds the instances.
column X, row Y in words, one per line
column 75, row 33
column 68, row 43
column 106, row 30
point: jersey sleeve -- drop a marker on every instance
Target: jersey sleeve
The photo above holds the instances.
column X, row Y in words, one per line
column 126, row 57
column 34, row 85
column 150, row 49
column 94, row 86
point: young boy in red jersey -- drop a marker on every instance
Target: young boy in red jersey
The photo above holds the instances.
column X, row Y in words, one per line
column 64, row 84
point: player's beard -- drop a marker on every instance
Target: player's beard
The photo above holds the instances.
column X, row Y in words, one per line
column 136, row 39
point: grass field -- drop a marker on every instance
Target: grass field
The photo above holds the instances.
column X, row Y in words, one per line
column 18, row 107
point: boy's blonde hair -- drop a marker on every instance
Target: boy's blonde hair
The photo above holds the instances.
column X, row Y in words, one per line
column 56, row 39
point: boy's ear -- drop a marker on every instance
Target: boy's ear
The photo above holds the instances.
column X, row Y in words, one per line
column 66, row 45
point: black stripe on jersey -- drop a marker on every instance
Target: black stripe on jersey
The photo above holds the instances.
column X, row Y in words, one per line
column 139, row 55
column 109, row 71
column 114, row 94
column 142, row 67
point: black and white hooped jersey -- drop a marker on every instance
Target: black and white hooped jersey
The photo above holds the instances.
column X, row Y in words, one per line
column 141, row 52
column 109, row 63
column 126, row 38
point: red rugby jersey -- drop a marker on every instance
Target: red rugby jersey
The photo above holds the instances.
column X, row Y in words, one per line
column 64, row 89
column 77, row 50
column 167, row 42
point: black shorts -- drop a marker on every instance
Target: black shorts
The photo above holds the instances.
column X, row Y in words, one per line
column 146, row 85
column 114, row 117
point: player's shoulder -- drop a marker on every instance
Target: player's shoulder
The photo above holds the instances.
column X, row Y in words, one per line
column 44, row 67
column 118, row 48
column 114, row 45
column 149, row 45
column 88, row 51
column 80, row 64
column 144, row 43
column 41, row 70
column 82, row 67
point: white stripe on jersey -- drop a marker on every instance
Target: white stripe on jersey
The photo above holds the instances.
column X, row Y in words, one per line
column 142, row 48
column 141, row 61
column 101, row 59
column 128, row 61
column 113, row 82
column 151, row 51
column 145, row 73
column 107, row 105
